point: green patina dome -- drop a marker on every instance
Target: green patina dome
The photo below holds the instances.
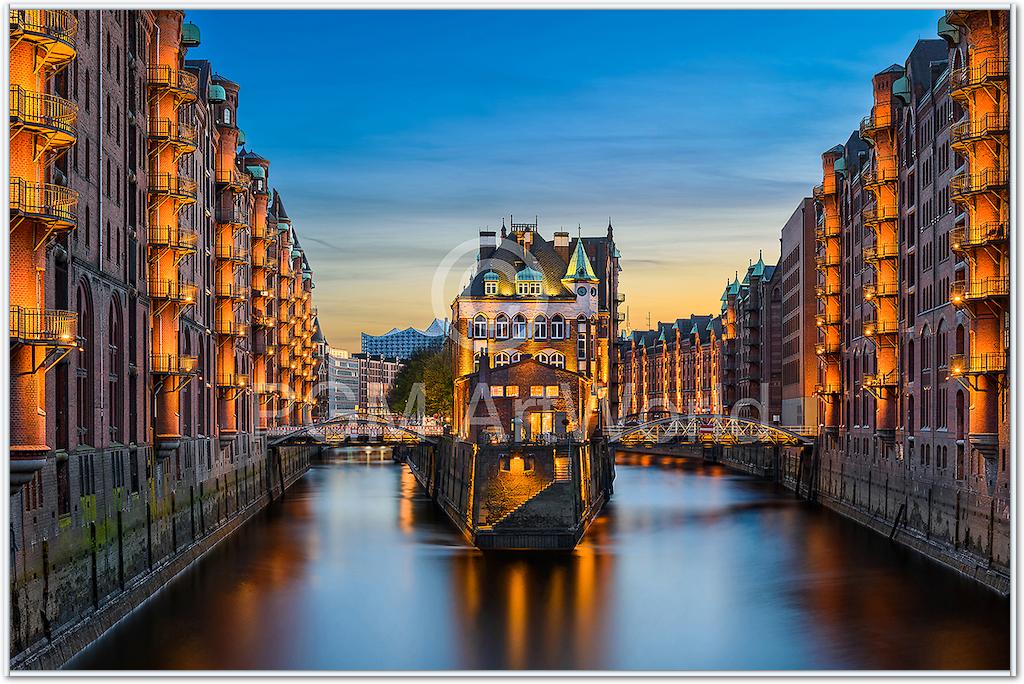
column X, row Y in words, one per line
column 491, row 276
column 216, row 94
column 529, row 274
column 256, row 171
column 189, row 35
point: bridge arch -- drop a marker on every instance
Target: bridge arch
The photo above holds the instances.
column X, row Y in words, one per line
column 348, row 420
column 704, row 428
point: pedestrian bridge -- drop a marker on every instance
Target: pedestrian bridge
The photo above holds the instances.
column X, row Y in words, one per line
column 663, row 428
column 356, row 428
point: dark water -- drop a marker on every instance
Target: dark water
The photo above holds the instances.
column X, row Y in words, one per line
column 690, row 567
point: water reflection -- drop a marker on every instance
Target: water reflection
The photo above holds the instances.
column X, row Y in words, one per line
column 691, row 567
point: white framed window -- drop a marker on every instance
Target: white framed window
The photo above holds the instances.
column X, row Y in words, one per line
column 490, row 287
column 557, row 360
column 542, row 357
column 501, row 327
column 557, row 327
column 501, row 359
column 514, row 357
column 581, row 347
column 540, row 328
column 480, row 327
column 519, row 327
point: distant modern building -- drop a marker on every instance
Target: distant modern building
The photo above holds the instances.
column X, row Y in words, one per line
column 402, row 344
column 376, row 376
column 342, row 383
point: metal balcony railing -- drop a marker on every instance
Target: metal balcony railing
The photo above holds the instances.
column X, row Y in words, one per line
column 873, row 122
column 876, row 253
column 172, row 185
column 184, row 84
column 232, row 179
column 873, row 291
column 172, row 290
column 822, row 320
column 229, row 326
column 962, row 291
column 51, row 204
column 823, row 261
column 176, row 238
column 879, row 379
column 987, row 126
column 183, row 136
column 978, row 364
column 988, row 71
column 173, row 364
column 46, row 114
column 826, row 290
column 977, row 236
column 828, row 228
column 51, row 327
column 822, row 389
column 882, row 170
column 232, row 253
column 986, row 180
column 229, row 290
column 877, row 214
column 880, row 328
column 262, row 320
column 826, row 348
column 232, row 380
column 234, row 216
column 43, row 25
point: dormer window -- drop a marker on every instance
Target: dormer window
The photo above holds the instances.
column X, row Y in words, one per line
column 528, row 282
column 490, row 283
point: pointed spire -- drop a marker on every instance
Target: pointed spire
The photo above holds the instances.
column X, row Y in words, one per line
column 609, row 227
column 579, row 269
column 504, row 230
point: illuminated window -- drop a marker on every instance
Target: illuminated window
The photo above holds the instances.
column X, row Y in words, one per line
column 551, row 391
column 497, row 391
column 490, row 288
column 537, row 390
column 540, row 328
column 512, row 390
column 480, row 327
column 557, row 327
column 519, row 327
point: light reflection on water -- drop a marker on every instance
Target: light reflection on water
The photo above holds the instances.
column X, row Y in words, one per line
column 690, row 567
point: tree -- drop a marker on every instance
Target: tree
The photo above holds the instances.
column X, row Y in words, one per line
column 425, row 379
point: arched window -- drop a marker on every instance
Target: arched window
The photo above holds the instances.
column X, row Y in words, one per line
column 227, row 115
column 116, row 372
column 542, row 357
column 501, row 327
column 501, row 359
column 581, row 337
column 540, row 328
column 514, row 357
column 910, row 360
column 84, row 395
column 519, row 327
column 557, row 327
column 557, row 360
column 480, row 327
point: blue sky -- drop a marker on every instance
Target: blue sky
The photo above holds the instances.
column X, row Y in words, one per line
column 394, row 136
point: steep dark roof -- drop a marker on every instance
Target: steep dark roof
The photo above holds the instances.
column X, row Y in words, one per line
column 277, row 207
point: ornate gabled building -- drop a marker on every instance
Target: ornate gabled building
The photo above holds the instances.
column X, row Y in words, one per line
column 552, row 302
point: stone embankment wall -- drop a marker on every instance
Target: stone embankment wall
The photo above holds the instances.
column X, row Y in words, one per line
column 105, row 560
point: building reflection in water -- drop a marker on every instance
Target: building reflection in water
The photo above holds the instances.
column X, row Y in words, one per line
column 691, row 566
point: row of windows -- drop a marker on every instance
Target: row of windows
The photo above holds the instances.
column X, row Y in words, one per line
column 519, row 328
column 548, row 391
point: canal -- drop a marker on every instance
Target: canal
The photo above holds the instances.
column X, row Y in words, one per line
column 691, row 566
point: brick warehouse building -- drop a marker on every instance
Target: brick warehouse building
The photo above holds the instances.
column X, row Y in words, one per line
column 161, row 316
column 899, row 270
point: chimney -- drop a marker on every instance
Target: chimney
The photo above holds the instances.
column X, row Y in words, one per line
column 562, row 245
column 488, row 243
